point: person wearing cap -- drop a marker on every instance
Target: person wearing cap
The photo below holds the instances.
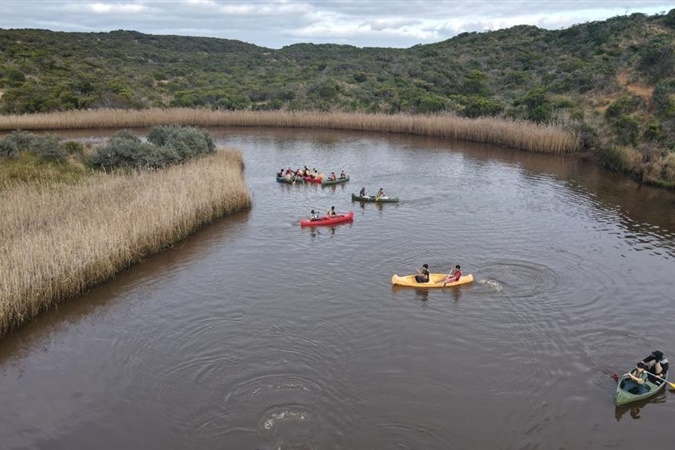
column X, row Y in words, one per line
column 423, row 276
column 635, row 384
column 657, row 364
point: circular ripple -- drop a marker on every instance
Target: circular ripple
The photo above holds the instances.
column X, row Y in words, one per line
column 518, row 279
column 290, row 427
column 269, row 389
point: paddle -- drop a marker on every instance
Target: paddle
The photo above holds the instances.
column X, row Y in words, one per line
column 446, row 278
column 672, row 385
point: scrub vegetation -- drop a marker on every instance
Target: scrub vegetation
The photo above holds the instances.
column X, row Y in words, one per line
column 58, row 239
column 611, row 83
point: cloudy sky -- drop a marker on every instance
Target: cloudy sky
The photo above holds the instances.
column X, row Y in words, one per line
column 277, row 23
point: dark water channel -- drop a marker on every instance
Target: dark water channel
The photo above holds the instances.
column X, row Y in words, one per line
column 256, row 333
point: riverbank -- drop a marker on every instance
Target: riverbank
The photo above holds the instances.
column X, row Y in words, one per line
column 58, row 240
column 522, row 135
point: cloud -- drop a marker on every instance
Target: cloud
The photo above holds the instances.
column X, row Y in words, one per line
column 115, row 8
column 276, row 23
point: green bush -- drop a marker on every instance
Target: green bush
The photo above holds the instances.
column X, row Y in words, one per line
column 663, row 98
column 8, row 149
column 46, row 148
column 187, row 141
column 166, row 145
column 479, row 106
column 627, row 130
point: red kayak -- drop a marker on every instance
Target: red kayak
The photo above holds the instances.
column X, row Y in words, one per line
column 325, row 220
column 313, row 180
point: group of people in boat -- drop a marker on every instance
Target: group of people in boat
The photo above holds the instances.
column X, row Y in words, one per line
column 423, row 274
column 653, row 368
column 380, row 193
column 314, row 215
column 291, row 174
column 299, row 173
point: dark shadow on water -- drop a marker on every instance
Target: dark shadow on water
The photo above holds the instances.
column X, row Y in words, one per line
column 635, row 409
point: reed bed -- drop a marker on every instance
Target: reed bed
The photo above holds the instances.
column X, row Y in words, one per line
column 511, row 133
column 58, row 240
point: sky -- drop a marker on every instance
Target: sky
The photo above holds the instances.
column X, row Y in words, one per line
column 278, row 23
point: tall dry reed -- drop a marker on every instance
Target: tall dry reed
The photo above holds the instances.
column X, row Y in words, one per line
column 517, row 134
column 57, row 240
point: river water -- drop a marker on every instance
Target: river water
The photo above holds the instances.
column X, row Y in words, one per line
column 255, row 333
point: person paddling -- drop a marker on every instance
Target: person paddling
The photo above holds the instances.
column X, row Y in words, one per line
column 454, row 276
column 331, row 212
column 423, row 276
column 656, row 364
column 362, row 193
column 635, row 384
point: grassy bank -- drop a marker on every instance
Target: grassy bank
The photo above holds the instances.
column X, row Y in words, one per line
column 57, row 240
column 517, row 134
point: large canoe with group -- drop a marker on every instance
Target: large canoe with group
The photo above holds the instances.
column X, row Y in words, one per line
column 374, row 199
column 325, row 220
column 436, row 280
column 624, row 397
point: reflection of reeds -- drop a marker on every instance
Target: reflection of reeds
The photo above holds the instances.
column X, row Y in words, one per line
column 518, row 134
column 57, row 240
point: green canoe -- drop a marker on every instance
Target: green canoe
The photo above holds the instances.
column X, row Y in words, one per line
column 328, row 182
column 290, row 180
column 372, row 198
column 623, row 397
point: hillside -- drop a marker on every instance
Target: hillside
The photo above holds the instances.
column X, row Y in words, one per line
column 611, row 81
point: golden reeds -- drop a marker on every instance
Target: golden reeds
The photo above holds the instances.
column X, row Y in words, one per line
column 511, row 133
column 57, row 240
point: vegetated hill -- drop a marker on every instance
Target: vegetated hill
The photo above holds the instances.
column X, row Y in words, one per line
column 613, row 81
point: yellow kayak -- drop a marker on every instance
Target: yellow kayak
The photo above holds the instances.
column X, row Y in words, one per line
column 436, row 280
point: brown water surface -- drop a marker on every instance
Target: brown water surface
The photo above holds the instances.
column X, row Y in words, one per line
column 256, row 333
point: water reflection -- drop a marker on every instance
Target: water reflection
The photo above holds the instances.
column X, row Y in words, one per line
column 635, row 409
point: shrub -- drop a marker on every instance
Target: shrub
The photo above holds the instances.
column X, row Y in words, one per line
column 623, row 105
column 663, row 98
column 621, row 159
column 48, row 148
column 186, row 141
column 43, row 147
column 8, row 148
column 166, row 145
column 627, row 130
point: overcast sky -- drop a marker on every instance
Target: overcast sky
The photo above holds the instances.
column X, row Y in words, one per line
column 277, row 23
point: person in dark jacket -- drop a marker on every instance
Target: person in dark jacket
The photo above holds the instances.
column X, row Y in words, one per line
column 657, row 364
column 423, row 276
